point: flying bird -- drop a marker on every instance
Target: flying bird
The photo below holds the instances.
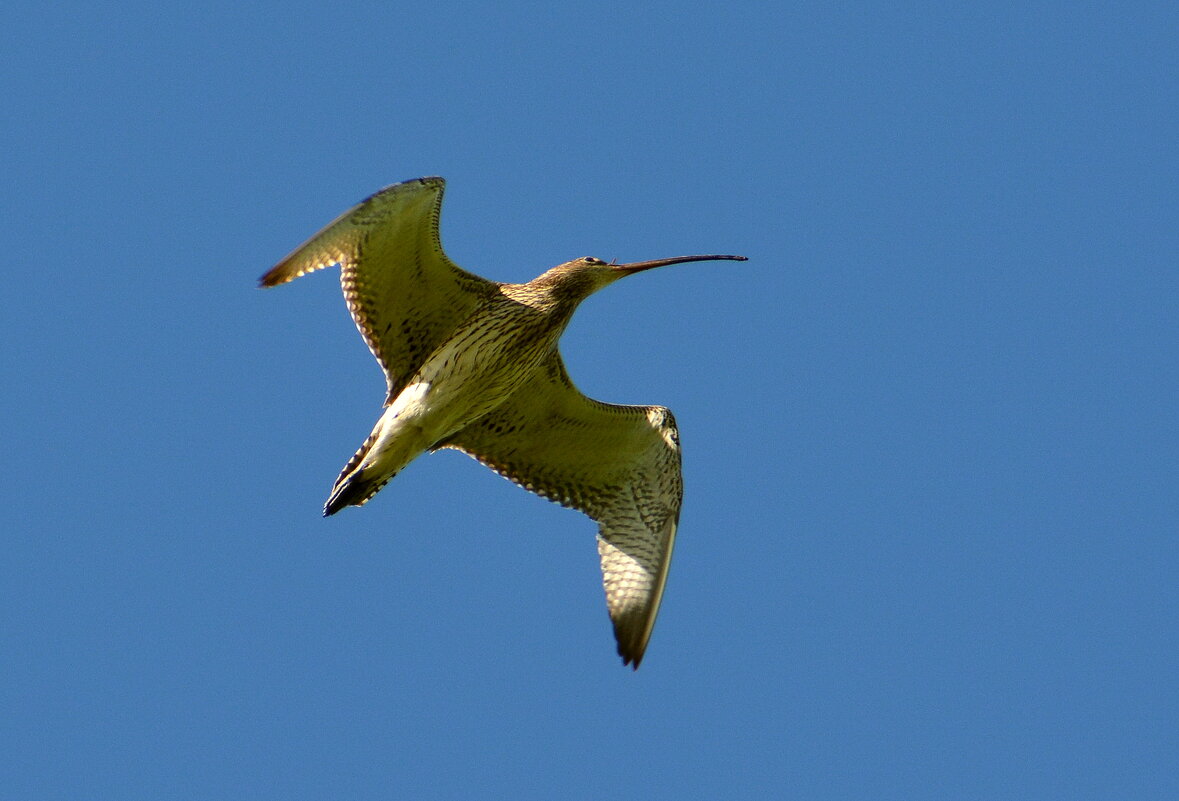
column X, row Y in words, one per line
column 474, row 365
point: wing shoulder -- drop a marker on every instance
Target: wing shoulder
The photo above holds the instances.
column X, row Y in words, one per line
column 583, row 453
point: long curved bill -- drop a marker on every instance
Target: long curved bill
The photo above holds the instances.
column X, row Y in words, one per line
column 638, row 266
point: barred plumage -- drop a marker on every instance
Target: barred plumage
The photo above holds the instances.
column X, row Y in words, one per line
column 473, row 364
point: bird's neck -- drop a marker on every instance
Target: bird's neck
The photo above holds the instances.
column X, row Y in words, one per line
column 556, row 303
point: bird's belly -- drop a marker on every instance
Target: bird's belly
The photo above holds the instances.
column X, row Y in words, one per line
column 464, row 380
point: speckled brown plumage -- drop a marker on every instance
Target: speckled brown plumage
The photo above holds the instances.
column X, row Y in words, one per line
column 472, row 364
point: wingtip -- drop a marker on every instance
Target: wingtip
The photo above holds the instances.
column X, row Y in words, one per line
column 632, row 657
column 333, row 242
column 279, row 274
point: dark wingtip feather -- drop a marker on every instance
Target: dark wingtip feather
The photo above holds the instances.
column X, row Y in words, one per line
column 280, row 273
column 631, row 653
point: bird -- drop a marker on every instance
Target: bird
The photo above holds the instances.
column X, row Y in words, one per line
column 474, row 365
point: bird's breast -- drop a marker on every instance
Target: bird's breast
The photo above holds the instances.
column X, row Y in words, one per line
column 473, row 372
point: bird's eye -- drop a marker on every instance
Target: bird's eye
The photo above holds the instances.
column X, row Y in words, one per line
column 592, row 260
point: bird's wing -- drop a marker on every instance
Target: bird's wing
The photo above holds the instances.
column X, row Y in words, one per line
column 618, row 464
column 403, row 292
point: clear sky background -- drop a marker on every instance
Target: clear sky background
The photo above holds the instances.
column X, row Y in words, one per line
column 930, row 540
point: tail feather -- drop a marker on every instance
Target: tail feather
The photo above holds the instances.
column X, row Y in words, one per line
column 353, row 490
column 352, row 487
column 357, row 457
column 388, row 449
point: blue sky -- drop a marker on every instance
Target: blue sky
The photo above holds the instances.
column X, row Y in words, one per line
column 929, row 541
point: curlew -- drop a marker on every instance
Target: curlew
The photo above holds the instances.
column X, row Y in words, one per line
column 473, row 364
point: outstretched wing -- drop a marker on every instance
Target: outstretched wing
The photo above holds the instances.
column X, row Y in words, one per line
column 403, row 292
column 618, row 464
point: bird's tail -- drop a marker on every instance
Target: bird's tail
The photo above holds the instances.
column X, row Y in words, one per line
column 354, row 489
column 389, row 448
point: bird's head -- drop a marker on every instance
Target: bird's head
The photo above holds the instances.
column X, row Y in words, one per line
column 582, row 277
